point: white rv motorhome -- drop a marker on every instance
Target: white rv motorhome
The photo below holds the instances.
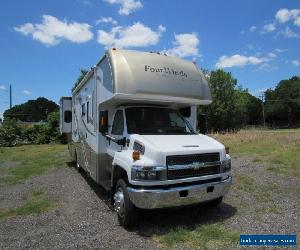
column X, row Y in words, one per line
column 131, row 124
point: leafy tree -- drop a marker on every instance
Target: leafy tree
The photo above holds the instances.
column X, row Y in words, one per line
column 283, row 103
column 32, row 110
column 221, row 112
column 83, row 72
column 248, row 108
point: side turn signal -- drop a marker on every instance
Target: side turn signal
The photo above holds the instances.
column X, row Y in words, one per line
column 136, row 155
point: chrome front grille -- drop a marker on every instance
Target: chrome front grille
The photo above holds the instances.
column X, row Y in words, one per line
column 186, row 166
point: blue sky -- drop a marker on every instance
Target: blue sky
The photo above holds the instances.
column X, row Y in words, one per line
column 43, row 44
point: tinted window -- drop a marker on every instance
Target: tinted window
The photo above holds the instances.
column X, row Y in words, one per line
column 118, row 125
column 83, row 109
column 67, row 116
column 88, row 112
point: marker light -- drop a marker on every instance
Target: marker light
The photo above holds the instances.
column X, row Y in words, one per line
column 136, row 155
column 227, row 150
column 102, row 121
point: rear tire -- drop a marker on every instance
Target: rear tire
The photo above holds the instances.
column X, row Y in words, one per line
column 126, row 211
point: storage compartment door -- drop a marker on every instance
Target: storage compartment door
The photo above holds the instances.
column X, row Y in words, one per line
column 65, row 123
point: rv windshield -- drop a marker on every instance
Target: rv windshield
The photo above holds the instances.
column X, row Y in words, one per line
column 155, row 120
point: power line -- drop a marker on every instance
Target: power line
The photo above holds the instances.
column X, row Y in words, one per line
column 263, row 107
column 282, row 100
column 10, row 96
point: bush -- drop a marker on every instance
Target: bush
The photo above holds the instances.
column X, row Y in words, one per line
column 12, row 134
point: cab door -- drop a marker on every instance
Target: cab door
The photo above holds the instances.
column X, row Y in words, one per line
column 116, row 131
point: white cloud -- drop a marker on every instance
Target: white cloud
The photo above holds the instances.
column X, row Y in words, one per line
column 272, row 55
column 185, row 45
column 27, row 92
column 252, row 28
column 127, row 6
column 268, row 28
column 288, row 33
column 52, row 30
column 278, row 50
column 2, row 87
column 262, row 90
column 284, row 15
column 297, row 21
column 137, row 35
column 237, row 61
column 85, row 2
column 106, row 20
column 296, row 62
column 267, row 67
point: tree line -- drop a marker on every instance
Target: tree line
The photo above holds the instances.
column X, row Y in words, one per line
column 233, row 108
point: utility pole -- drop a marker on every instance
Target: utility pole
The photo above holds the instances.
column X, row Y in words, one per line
column 263, row 106
column 10, row 97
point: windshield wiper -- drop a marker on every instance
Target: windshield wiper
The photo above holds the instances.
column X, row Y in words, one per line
column 178, row 131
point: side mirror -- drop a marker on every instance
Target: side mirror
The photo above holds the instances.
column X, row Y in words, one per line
column 103, row 122
column 202, row 123
column 122, row 142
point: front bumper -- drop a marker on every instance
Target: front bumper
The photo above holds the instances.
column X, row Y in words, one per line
column 178, row 196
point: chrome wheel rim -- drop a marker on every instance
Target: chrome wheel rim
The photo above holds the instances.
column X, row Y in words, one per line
column 119, row 202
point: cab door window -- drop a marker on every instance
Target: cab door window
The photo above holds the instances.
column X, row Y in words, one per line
column 118, row 124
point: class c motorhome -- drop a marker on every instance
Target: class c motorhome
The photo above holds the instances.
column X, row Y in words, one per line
column 131, row 125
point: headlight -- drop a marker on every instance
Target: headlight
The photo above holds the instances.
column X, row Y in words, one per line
column 226, row 165
column 148, row 173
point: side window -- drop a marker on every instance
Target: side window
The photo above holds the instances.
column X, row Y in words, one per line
column 83, row 109
column 67, row 116
column 118, row 124
column 88, row 112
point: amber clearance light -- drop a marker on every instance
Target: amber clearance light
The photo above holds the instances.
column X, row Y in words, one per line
column 227, row 150
column 136, row 155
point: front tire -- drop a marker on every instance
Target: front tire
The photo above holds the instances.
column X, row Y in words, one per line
column 126, row 211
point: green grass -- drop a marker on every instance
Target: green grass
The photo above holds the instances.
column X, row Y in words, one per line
column 36, row 203
column 207, row 236
column 245, row 183
column 279, row 148
column 18, row 164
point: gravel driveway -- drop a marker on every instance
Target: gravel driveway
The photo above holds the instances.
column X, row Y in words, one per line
column 259, row 202
column 83, row 218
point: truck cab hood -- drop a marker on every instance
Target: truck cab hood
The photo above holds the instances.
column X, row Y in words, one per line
column 181, row 144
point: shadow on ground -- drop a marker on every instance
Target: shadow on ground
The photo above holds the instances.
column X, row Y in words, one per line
column 161, row 221
column 158, row 222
